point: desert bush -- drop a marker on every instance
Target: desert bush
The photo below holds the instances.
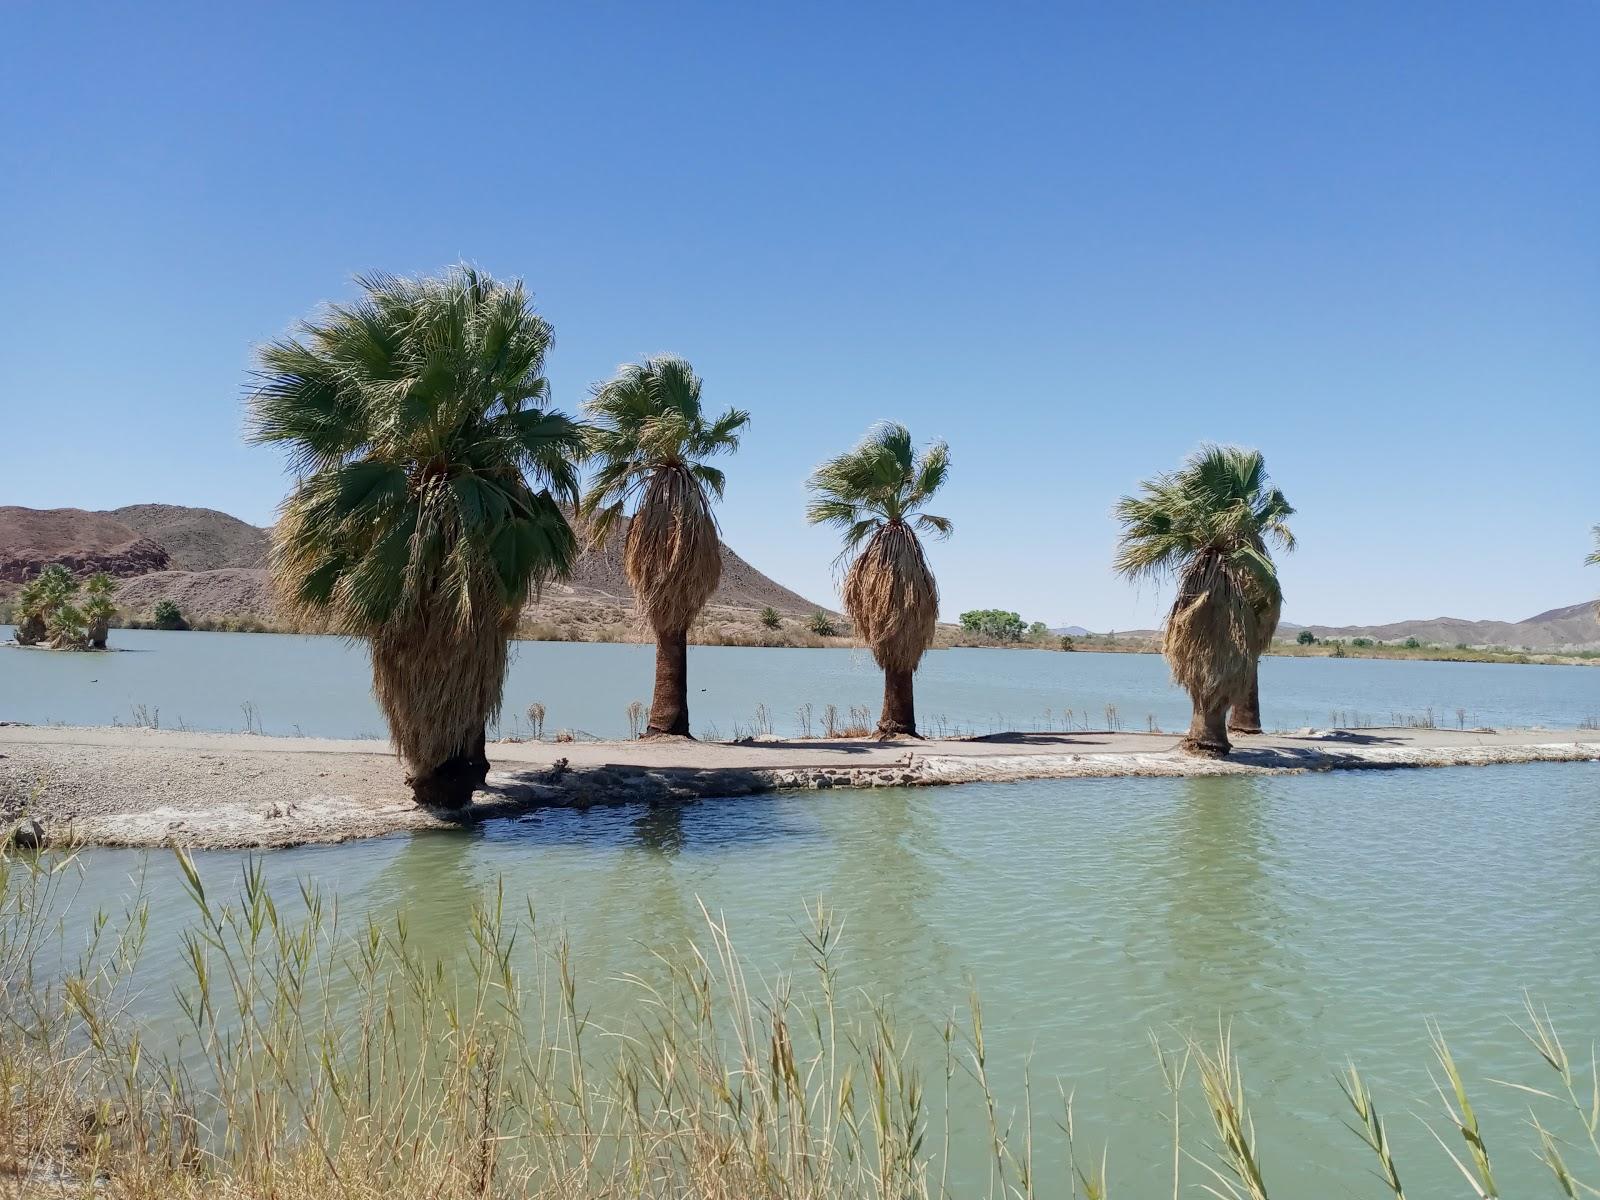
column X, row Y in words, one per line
column 167, row 615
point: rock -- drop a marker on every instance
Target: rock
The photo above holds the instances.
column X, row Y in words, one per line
column 27, row 834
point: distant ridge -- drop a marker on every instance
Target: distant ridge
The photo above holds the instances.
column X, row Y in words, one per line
column 1572, row 627
column 213, row 564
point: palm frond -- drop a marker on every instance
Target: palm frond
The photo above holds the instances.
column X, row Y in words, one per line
column 429, row 473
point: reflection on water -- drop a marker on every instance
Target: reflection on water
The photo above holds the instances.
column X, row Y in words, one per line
column 1322, row 916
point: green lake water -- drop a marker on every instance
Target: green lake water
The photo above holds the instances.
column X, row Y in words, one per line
column 1325, row 917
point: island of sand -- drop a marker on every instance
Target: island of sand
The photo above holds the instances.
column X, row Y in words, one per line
column 143, row 787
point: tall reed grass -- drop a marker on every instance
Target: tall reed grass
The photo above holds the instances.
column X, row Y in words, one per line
column 322, row 1059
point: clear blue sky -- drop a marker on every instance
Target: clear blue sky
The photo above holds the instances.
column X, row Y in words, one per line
column 1073, row 240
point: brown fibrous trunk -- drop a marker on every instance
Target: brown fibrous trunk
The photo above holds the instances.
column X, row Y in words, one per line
column 452, row 782
column 899, row 716
column 669, row 703
column 1245, row 716
column 1208, row 733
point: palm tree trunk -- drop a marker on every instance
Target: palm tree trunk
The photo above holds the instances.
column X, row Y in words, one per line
column 1246, row 714
column 899, row 716
column 97, row 634
column 452, row 782
column 1208, row 732
column 669, row 706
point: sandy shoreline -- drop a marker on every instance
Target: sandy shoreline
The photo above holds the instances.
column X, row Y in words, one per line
column 141, row 787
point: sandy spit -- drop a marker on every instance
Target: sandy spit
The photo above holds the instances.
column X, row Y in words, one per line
column 141, row 787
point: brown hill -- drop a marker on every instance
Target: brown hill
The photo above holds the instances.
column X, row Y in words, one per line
column 211, row 564
column 34, row 538
column 197, row 539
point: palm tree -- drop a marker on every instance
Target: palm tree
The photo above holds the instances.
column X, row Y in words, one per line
column 1209, row 524
column 651, row 439
column 415, row 419
column 38, row 600
column 875, row 494
column 67, row 627
column 98, row 607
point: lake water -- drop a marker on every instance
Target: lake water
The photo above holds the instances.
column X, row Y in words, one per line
column 321, row 686
column 1325, row 916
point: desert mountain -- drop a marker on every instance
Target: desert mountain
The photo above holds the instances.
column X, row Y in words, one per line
column 213, row 564
column 1574, row 627
column 33, row 538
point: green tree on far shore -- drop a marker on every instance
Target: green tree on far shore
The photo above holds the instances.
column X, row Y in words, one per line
column 993, row 623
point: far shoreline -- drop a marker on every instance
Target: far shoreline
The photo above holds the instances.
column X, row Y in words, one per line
column 1503, row 657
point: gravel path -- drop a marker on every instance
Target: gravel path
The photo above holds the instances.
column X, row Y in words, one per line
column 140, row 787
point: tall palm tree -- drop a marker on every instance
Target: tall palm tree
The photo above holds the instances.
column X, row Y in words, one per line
column 98, row 607
column 1209, row 524
column 427, row 502
column 651, row 440
column 875, row 494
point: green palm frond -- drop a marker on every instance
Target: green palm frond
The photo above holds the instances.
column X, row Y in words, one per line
column 428, row 463
column 1221, row 500
column 1594, row 559
column 645, row 418
column 882, row 481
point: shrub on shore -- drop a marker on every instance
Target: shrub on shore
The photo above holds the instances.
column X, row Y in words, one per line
column 167, row 615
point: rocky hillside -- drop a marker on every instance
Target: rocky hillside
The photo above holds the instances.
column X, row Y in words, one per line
column 196, row 539
column 33, row 538
column 213, row 565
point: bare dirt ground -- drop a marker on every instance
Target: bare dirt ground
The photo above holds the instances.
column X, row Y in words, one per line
column 139, row 787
